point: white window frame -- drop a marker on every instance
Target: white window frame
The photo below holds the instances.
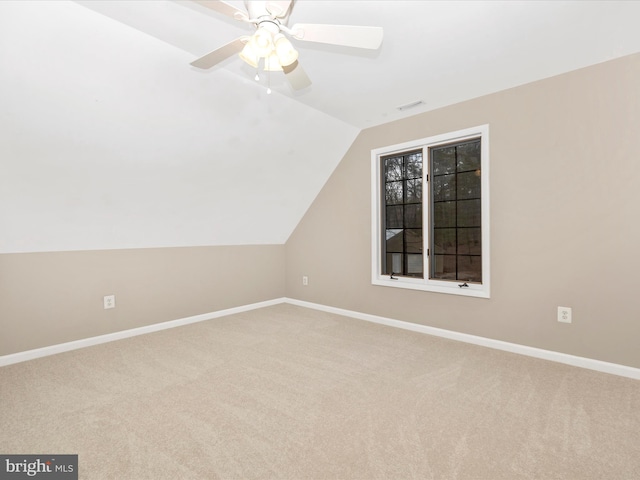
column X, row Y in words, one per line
column 426, row 284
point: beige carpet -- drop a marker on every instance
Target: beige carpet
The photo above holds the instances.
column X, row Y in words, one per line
column 287, row 392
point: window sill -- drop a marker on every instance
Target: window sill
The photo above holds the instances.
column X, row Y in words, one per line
column 478, row 291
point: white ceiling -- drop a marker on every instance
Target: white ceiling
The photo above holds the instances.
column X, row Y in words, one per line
column 110, row 139
column 441, row 52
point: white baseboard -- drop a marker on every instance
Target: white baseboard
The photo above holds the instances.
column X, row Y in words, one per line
column 591, row 364
column 588, row 363
column 110, row 337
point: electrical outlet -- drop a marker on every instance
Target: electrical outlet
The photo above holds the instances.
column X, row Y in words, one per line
column 109, row 301
column 305, row 280
column 564, row 314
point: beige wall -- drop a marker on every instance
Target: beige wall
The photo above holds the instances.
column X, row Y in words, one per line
column 51, row 298
column 565, row 219
column 565, row 172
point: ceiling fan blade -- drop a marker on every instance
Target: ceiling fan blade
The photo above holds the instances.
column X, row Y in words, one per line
column 279, row 8
column 347, row 35
column 296, row 76
column 224, row 8
column 220, row 54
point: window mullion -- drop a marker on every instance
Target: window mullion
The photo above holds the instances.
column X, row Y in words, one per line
column 426, row 215
column 405, row 266
column 455, row 197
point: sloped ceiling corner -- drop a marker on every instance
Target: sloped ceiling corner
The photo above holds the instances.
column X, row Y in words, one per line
column 111, row 140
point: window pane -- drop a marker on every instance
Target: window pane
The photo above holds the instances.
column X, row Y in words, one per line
column 404, row 243
column 443, row 160
column 414, row 190
column 469, row 213
column 395, row 240
column 393, row 263
column 444, row 267
column 444, row 240
column 469, row 268
column 413, row 165
column 413, row 240
column 469, row 241
column 444, row 187
column 393, row 169
column 468, row 185
column 456, row 211
column 394, row 193
column 444, row 214
column 468, row 156
column 394, row 216
column 413, row 215
column 414, row 265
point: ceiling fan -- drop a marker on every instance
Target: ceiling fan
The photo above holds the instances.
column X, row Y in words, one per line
column 270, row 47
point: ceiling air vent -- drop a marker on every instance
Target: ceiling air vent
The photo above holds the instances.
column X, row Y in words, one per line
column 410, row 105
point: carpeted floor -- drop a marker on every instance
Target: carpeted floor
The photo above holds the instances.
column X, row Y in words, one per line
column 287, row 392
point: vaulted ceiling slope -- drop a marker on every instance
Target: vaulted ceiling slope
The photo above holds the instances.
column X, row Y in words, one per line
column 110, row 139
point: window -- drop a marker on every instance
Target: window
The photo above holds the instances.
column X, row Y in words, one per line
column 430, row 215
